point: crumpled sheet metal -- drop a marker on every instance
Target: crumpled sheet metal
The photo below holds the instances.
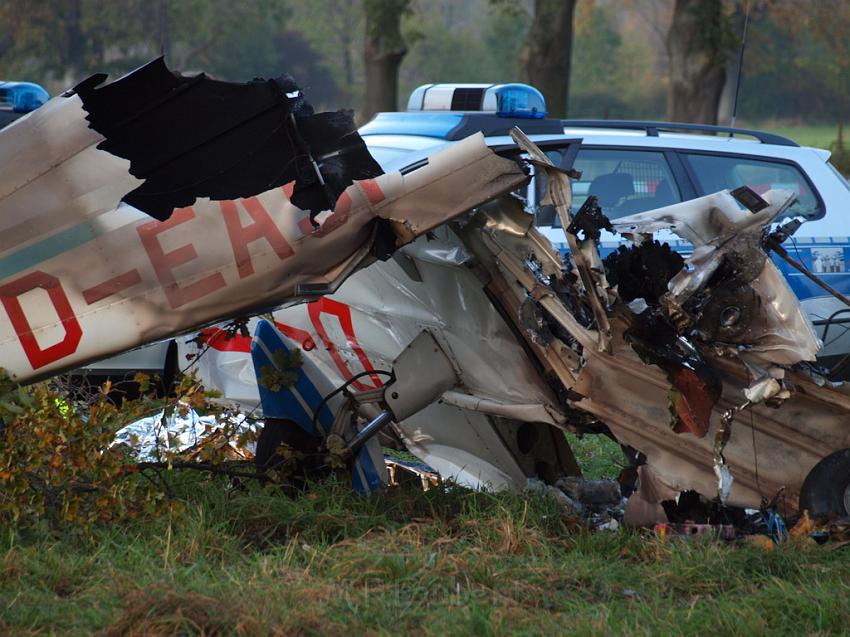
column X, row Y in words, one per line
column 367, row 322
column 784, row 443
column 704, row 220
column 780, row 332
column 632, row 397
column 584, row 253
column 748, row 308
column 87, row 278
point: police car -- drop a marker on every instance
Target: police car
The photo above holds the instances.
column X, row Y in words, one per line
column 634, row 166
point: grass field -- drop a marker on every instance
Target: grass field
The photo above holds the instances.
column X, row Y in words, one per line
column 598, row 456
column 253, row 562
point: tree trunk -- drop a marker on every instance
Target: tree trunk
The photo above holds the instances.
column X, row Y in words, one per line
column 545, row 57
column 695, row 44
column 381, row 78
column 75, row 52
column 383, row 52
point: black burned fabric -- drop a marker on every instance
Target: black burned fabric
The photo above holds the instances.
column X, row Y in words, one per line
column 642, row 271
column 190, row 137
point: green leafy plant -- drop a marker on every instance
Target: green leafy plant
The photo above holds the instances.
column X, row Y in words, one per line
column 56, row 461
column 283, row 372
column 59, row 461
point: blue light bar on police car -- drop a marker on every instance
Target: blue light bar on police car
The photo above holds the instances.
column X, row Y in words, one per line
column 504, row 100
column 21, row 97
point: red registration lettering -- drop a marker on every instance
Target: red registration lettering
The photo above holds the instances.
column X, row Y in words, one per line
column 373, row 191
column 38, row 357
column 165, row 262
column 342, row 312
column 262, row 228
column 343, row 207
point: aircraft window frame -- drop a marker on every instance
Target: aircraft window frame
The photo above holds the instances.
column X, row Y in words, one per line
column 532, row 193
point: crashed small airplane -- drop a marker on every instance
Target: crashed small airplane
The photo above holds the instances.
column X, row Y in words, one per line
column 163, row 204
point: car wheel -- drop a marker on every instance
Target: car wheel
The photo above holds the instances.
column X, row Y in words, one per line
column 826, row 490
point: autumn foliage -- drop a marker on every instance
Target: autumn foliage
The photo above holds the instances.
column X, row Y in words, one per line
column 58, row 461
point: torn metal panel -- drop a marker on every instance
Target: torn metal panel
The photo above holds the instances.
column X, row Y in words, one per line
column 495, row 430
column 561, row 195
column 676, row 354
column 748, row 302
column 401, row 472
column 55, row 179
column 83, row 279
column 244, row 139
column 630, row 397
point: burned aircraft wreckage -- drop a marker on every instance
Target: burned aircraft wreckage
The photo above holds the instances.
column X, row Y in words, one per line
column 701, row 367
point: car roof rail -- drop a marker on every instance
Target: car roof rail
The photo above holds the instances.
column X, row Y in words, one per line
column 653, row 128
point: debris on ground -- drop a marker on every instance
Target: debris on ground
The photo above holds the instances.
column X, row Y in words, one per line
column 718, row 531
column 598, row 503
column 401, row 471
column 598, row 493
column 765, row 528
column 194, row 437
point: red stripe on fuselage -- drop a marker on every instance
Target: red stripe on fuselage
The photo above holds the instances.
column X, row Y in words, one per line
column 111, row 286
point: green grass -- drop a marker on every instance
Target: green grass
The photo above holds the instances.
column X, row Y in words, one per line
column 252, row 562
column 597, row 455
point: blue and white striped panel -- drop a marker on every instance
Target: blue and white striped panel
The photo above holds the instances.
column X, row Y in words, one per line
column 297, row 403
column 369, row 471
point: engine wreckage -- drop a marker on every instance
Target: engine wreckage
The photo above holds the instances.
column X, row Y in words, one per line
column 681, row 352
column 698, row 366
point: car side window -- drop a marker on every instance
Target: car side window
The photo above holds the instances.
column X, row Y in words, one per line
column 719, row 172
column 624, row 181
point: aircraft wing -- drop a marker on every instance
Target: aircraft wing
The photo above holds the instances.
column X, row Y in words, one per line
column 85, row 275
